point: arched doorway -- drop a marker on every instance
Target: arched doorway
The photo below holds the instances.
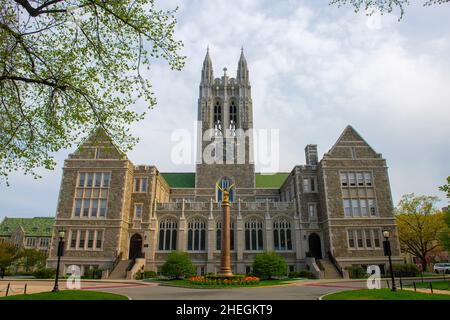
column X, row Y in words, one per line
column 135, row 246
column 315, row 248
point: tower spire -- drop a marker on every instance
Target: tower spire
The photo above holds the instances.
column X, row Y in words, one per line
column 242, row 71
column 207, row 71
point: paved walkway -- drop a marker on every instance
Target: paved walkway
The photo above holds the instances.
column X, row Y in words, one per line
column 138, row 290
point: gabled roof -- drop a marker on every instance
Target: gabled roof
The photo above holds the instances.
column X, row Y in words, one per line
column 38, row 226
column 187, row 179
column 349, row 135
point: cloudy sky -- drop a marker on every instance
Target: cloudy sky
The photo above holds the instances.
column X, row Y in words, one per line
column 314, row 69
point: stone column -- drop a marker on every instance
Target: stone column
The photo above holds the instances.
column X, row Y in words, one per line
column 239, row 242
column 225, row 260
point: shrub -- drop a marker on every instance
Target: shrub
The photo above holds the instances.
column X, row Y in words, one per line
column 45, row 273
column 268, row 265
column 178, row 265
column 146, row 275
column 405, row 270
column 356, row 272
column 93, row 273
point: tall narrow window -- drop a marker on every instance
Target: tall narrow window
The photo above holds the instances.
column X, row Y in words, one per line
column 140, row 185
column 197, row 235
column 351, row 239
column 376, row 238
column 344, row 181
column 312, row 211
column 372, row 207
column 137, row 211
column 360, row 178
column 352, row 179
column 73, row 239
column 363, row 206
column 77, row 207
column 355, row 208
column 81, row 179
column 217, row 118
column 368, row 178
column 233, row 117
column 253, row 234
column 99, row 239
column 81, row 240
column 359, row 238
column 347, row 208
column 368, row 237
column 168, row 235
column 90, row 243
column 94, row 208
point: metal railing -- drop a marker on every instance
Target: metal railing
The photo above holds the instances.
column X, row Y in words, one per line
column 9, row 289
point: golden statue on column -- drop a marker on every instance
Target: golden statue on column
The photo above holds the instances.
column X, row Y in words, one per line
column 225, row 260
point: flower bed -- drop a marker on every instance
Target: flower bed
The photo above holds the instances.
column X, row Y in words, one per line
column 225, row 281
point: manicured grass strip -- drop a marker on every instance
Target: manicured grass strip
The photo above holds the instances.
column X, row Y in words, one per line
column 384, row 294
column 188, row 284
column 437, row 285
column 67, row 295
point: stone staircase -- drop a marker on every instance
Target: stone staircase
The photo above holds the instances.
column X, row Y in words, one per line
column 120, row 270
column 329, row 270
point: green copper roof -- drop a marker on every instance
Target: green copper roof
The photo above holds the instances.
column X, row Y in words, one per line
column 180, row 179
column 39, row 226
column 270, row 180
column 187, row 179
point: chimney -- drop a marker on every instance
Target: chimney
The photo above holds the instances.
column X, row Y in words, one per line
column 311, row 154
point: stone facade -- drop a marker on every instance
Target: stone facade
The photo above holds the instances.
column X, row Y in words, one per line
column 329, row 210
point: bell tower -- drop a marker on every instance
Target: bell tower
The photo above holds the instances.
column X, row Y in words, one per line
column 225, row 128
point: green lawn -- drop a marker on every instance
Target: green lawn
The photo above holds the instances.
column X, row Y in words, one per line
column 67, row 295
column 384, row 294
column 188, row 284
column 438, row 285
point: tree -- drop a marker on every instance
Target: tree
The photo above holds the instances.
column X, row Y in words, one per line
column 69, row 67
column 269, row 264
column 370, row 6
column 419, row 226
column 178, row 265
column 32, row 258
column 8, row 254
column 445, row 237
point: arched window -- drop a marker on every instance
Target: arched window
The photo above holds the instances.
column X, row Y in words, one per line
column 219, row 235
column 217, row 118
column 167, row 234
column 282, row 234
column 197, row 235
column 254, row 234
column 224, row 184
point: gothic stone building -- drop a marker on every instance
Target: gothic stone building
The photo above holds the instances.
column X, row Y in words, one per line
column 323, row 216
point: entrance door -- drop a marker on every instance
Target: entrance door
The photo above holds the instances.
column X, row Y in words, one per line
column 135, row 246
column 315, row 247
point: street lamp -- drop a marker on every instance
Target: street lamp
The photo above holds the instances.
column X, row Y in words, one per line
column 60, row 253
column 387, row 252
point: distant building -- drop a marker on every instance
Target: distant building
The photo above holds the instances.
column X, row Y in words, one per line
column 28, row 233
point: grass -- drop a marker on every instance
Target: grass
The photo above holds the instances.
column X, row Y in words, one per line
column 437, row 285
column 188, row 284
column 67, row 295
column 384, row 294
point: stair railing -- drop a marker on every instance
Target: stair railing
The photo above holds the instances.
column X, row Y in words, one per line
column 116, row 261
column 335, row 263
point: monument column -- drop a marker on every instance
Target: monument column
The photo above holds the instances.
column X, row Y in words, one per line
column 225, row 260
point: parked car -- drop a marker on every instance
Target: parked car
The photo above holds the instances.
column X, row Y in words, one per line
column 442, row 267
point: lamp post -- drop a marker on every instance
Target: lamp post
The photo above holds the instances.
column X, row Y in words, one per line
column 60, row 253
column 387, row 252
